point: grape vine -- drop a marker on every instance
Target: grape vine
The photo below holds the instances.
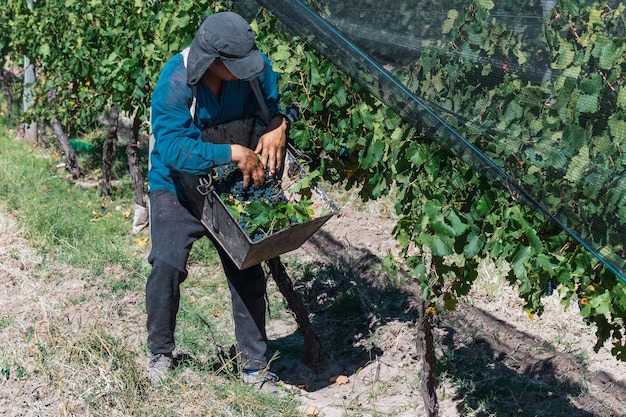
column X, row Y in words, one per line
column 450, row 216
column 96, row 54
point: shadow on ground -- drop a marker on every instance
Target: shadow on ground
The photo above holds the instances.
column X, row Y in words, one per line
column 504, row 372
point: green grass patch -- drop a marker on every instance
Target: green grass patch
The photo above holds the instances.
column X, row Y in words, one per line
column 64, row 221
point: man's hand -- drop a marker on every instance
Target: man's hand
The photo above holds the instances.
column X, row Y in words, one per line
column 249, row 164
column 272, row 145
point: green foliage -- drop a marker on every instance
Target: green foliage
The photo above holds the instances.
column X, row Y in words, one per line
column 343, row 128
column 450, row 217
column 58, row 215
column 270, row 218
column 555, row 136
column 565, row 131
column 90, row 55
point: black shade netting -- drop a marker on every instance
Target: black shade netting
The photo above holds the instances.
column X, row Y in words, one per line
column 532, row 92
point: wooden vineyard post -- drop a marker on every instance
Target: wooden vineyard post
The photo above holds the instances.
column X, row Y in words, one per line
column 425, row 347
column 140, row 220
column 312, row 345
column 30, row 131
column 73, row 165
column 109, row 149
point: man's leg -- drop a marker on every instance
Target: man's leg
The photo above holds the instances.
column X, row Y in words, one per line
column 248, row 291
column 247, row 288
column 173, row 230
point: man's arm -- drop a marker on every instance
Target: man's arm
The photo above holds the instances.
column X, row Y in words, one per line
column 249, row 164
column 272, row 144
column 178, row 143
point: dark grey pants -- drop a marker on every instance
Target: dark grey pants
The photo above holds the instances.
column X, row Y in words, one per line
column 173, row 231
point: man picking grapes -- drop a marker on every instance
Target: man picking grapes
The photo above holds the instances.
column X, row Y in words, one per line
column 204, row 86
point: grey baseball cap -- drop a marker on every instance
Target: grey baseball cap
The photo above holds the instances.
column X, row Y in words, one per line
column 229, row 37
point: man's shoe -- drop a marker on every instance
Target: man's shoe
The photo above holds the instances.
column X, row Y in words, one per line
column 265, row 381
column 159, row 365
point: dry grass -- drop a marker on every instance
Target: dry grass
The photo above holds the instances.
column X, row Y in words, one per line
column 71, row 347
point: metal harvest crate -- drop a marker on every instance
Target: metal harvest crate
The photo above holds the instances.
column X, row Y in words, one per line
column 224, row 228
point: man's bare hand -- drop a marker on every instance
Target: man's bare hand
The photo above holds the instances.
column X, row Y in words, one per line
column 249, row 164
column 272, row 145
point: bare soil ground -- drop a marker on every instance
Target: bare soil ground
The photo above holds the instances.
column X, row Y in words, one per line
column 494, row 360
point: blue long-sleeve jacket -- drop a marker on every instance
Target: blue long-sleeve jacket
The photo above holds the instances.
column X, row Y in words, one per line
column 178, row 144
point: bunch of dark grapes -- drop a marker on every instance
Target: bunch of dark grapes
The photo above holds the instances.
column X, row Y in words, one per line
column 228, row 179
column 228, row 183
